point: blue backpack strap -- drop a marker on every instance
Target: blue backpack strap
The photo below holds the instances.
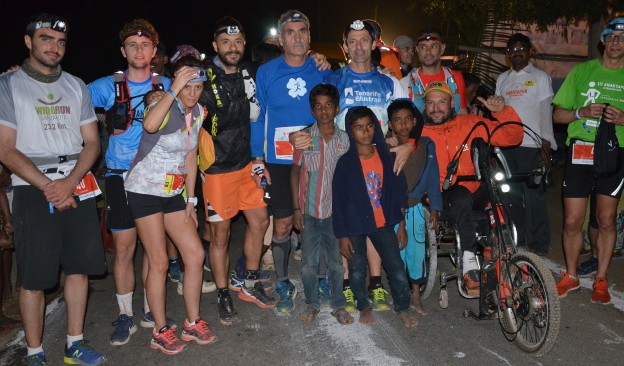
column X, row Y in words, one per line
column 450, row 80
column 417, row 89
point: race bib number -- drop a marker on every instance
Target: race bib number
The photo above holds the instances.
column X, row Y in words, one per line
column 174, row 178
column 583, row 153
column 592, row 122
column 283, row 148
column 87, row 188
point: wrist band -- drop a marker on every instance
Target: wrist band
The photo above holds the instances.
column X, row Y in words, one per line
column 576, row 113
column 175, row 97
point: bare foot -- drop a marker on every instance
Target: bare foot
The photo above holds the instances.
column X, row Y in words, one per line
column 418, row 306
column 408, row 320
column 366, row 316
column 309, row 314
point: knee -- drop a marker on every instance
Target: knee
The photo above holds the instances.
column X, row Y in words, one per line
column 606, row 221
column 195, row 258
column 259, row 224
column 573, row 222
column 282, row 228
column 159, row 264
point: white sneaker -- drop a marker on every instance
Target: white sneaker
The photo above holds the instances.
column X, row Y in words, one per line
column 207, row 286
column 469, row 262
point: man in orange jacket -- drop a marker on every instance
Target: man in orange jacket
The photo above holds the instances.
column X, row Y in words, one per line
column 448, row 130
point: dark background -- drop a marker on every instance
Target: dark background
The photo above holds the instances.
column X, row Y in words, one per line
column 93, row 41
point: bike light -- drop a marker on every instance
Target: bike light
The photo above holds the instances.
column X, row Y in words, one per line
column 505, row 188
column 499, row 176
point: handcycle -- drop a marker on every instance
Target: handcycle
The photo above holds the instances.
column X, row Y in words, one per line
column 515, row 286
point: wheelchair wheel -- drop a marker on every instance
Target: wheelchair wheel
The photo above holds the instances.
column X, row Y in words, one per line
column 532, row 320
column 431, row 258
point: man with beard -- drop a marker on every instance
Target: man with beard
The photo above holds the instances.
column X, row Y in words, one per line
column 230, row 97
column 430, row 47
column 49, row 139
column 529, row 91
column 448, row 130
column 124, row 120
column 591, row 94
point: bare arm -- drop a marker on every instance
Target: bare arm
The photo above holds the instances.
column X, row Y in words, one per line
column 567, row 116
column 17, row 162
column 294, row 187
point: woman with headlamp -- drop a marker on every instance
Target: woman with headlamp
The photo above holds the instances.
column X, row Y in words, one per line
column 165, row 164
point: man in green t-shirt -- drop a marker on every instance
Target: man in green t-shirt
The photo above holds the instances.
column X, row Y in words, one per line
column 592, row 93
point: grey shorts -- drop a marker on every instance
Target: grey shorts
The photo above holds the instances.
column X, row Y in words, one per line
column 45, row 242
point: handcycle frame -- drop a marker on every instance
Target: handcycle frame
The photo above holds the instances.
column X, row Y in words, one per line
column 515, row 287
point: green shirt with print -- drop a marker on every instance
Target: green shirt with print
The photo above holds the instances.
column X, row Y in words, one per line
column 587, row 83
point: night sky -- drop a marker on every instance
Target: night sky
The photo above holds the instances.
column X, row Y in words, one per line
column 93, row 47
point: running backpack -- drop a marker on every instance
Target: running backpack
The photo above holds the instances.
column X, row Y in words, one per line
column 120, row 116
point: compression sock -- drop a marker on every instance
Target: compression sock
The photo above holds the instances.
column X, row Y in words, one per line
column 375, row 282
column 281, row 253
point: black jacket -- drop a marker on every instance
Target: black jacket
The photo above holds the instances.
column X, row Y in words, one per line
column 227, row 119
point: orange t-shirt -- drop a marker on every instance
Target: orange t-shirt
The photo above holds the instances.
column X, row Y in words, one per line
column 373, row 176
column 390, row 61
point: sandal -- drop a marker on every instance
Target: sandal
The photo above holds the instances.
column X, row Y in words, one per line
column 309, row 314
column 342, row 316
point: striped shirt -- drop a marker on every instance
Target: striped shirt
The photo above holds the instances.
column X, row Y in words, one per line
column 317, row 171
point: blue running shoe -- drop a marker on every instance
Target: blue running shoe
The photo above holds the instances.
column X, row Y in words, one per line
column 38, row 359
column 588, row 268
column 173, row 272
column 287, row 293
column 324, row 293
column 81, row 353
column 124, row 328
column 147, row 321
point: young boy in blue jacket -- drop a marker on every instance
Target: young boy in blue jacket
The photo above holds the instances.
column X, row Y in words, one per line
column 423, row 176
column 368, row 200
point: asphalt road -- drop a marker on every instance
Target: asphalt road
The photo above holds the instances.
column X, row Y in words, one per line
column 589, row 334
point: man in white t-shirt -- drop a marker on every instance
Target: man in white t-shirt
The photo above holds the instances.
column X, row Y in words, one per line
column 529, row 91
column 49, row 139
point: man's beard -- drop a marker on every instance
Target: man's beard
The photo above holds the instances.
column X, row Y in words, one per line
column 451, row 116
column 225, row 62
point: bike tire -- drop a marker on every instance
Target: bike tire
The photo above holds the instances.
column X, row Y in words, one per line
column 431, row 242
column 532, row 337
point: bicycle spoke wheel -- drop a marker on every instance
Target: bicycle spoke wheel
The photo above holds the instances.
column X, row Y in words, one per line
column 533, row 320
column 431, row 258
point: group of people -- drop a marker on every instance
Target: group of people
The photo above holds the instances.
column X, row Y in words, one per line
column 345, row 157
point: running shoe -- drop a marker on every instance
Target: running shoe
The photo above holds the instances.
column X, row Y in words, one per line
column 471, row 282
column 147, row 321
column 38, row 359
column 287, row 293
column 227, row 313
column 324, row 293
column 601, row 291
column 124, row 328
column 166, row 341
column 567, row 284
column 81, row 353
column 256, row 295
column 588, row 268
column 207, row 286
column 198, row 332
column 350, row 303
column 173, row 272
column 236, row 283
column 378, row 297
column 207, row 261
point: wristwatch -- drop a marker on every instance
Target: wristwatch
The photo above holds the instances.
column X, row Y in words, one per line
column 192, row 200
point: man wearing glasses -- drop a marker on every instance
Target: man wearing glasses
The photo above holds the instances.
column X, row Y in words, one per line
column 49, row 139
column 591, row 94
column 405, row 47
column 529, row 91
column 124, row 121
column 430, row 47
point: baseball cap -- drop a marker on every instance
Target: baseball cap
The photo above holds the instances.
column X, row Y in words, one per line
column 358, row 25
column 616, row 24
column 403, row 41
column 292, row 16
column 429, row 34
column 438, row 85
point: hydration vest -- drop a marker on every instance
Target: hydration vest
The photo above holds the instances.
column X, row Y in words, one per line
column 121, row 115
column 417, row 89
